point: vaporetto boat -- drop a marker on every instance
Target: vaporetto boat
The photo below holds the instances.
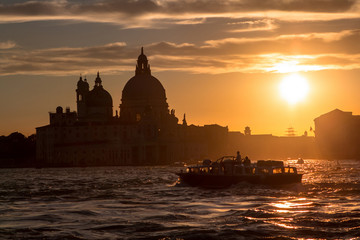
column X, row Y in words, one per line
column 227, row 171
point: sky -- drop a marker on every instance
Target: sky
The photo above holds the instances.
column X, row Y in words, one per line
column 220, row 62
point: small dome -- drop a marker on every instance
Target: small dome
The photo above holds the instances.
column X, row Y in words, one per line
column 142, row 87
column 99, row 97
column 59, row 109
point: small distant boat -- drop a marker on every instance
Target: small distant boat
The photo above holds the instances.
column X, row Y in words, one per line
column 226, row 171
column 300, row 161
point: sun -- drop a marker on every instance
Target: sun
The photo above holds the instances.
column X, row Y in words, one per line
column 294, row 88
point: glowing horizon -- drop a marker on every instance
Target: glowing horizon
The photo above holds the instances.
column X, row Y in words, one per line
column 219, row 62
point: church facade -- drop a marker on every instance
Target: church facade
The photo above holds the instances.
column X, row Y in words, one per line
column 143, row 132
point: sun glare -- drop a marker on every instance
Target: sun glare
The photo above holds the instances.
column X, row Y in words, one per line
column 294, row 88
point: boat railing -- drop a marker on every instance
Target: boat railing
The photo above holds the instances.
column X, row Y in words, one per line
column 221, row 170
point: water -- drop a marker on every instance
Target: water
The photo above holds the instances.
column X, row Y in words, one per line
column 148, row 203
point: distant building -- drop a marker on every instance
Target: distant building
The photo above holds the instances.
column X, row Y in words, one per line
column 267, row 146
column 144, row 133
column 247, row 131
column 338, row 134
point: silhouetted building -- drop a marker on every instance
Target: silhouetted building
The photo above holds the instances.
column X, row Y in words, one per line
column 338, row 134
column 94, row 105
column 145, row 133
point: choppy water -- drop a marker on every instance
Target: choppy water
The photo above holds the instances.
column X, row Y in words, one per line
column 147, row 203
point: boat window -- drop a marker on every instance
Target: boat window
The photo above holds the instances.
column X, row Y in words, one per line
column 204, row 170
column 214, row 169
column 289, row 170
column 264, row 170
column 277, row 170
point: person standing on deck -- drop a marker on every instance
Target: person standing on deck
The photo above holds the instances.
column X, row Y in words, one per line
column 238, row 157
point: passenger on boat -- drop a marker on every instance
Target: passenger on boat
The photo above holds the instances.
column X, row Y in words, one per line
column 247, row 162
column 238, row 157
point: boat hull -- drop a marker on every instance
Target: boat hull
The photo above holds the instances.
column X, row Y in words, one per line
column 218, row 181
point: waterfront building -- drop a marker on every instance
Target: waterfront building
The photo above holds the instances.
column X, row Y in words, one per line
column 338, row 135
column 145, row 132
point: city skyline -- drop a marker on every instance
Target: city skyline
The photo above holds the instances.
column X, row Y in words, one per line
column 219, row 62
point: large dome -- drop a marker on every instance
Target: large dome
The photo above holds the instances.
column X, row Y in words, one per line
column 143, row 86
column 143, row 96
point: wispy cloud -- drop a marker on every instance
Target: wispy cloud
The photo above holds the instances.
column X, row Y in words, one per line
column 142, row 12
column 287, row 53
column 254, row 25
column 7, row 45
column 312, row 43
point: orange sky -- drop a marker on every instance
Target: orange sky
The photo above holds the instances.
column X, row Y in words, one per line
column 219, row 61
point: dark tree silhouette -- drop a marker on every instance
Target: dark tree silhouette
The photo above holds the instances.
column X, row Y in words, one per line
column 16, row 150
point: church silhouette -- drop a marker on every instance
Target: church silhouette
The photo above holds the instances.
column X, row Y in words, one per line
column 143, row 132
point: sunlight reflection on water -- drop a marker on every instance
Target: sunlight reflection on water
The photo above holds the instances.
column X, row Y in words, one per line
column 148, row 203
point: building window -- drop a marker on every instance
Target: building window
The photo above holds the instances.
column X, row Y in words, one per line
column 138, row 117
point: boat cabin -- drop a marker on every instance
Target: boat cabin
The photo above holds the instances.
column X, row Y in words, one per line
column 228, row 166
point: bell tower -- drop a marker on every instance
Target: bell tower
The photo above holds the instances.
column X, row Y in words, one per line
column 81, row 92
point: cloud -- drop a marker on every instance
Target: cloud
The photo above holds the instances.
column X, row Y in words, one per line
column 254, row 25
column 306, row 52
column 7, row 45
column 334, row 60
column 142, row 12
column 66, row 61
column 32, row 8
column 312, row 43
column 208, row 6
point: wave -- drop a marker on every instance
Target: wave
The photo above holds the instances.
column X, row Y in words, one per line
column 149, row 203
